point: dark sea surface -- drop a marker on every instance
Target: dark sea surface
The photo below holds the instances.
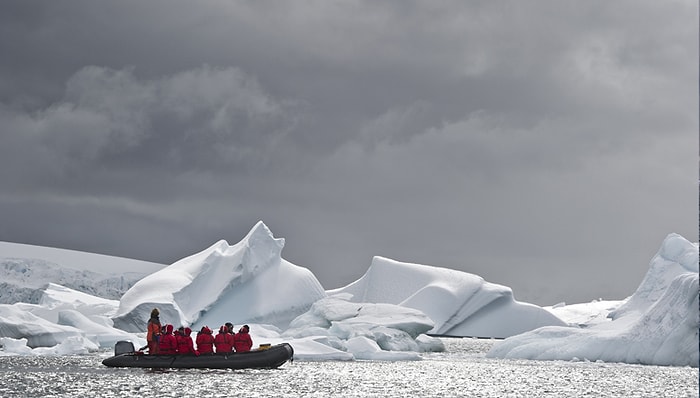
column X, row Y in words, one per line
column 461, row 371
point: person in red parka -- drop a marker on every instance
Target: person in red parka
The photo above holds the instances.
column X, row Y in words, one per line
column 223, row 341
column 241, row 340
column 168, row 343
column 184, row 342
column 153, row 335
column 205, row 341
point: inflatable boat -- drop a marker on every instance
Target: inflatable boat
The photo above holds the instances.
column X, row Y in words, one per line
column 265, row 357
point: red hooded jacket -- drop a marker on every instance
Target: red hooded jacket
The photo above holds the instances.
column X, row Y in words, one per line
column 185, row 344
column 205, row 341
column 242, row 341
column 223, row 341
column 168, row 343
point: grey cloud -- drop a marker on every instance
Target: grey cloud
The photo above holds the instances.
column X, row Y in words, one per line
column 514, row 140
column 207, row 119
column 202, row 115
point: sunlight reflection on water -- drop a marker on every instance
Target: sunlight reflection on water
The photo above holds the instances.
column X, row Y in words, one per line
column 461, row 371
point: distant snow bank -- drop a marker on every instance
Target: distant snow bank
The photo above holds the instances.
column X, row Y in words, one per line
column 657, row 325
column 27, row 269
column 77, row 260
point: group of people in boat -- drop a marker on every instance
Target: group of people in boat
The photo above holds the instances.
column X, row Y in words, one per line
column 164, row 340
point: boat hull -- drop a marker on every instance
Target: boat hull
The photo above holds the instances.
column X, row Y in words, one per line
column 269, row 358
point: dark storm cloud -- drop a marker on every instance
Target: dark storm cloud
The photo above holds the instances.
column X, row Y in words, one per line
column 532, row 143
column 203, row 119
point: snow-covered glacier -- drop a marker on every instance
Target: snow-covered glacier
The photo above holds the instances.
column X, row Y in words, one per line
column 247, row 282
column 657, row 325
column 27, row 269
column 460, row 304
column 24, row 279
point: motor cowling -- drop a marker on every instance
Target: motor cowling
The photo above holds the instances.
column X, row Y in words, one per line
column 123, row 347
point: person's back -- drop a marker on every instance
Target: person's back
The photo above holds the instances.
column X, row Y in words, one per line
column 205, row 341
column 184, row 342
column 223, row 341
column 168, row 343
column 241, row 340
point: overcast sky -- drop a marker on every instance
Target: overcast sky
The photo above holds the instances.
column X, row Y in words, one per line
column 549, row 146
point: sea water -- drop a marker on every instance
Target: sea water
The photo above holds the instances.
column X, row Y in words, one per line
column 461, row 371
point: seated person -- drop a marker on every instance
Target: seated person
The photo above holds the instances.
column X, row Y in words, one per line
column 223, row 341
column 241, row 340
column 168, row 343
column 205, row 341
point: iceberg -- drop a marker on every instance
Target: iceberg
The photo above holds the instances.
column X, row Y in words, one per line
column 676, row 256
column 17, row 323
column 100, row 333
column 460, row 304
column 247, row 282
column 365, row 348
column 391, row 313
column 657, row 325
column 73, row 345
column 367, row 330
column 56, row 297
column 251, row 283
column 74, row 320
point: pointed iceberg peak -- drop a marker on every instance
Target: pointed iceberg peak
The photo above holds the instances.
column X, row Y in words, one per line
column 676, row 249
column 260, row 228
column 258, row 249
column 260, row 235
column 675, row 257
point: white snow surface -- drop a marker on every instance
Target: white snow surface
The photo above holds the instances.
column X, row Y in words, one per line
column 657, row 325
column 585, row 314
column 460, row 304
column 385, row 315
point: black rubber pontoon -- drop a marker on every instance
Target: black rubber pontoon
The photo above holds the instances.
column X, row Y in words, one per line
column 267, row 358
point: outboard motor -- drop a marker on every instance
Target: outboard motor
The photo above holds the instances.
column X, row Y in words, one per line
column 123, row 347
